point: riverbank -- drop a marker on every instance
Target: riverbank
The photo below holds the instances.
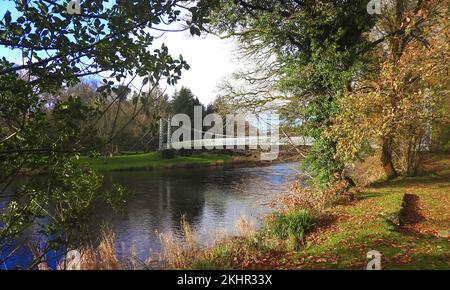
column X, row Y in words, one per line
column 345, row 233
column 153, row 160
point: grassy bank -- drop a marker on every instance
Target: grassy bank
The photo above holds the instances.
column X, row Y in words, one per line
column 343, row 234
column 154, row 161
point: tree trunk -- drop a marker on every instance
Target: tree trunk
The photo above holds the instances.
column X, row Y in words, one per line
column 386, row 158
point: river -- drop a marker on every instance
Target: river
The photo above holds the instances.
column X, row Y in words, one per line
column 212, row 200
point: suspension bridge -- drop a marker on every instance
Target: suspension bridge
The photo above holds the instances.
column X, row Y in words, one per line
column 228, row 142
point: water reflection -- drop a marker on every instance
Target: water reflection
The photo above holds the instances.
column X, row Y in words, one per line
column 212, row 200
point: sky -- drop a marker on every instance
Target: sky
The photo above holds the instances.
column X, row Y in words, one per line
column 6, row 5
column 211, row 59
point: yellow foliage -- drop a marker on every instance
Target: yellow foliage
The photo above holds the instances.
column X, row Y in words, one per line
column 405, row 94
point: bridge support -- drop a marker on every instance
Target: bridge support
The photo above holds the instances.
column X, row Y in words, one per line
column 164, row 140
column 161, row 135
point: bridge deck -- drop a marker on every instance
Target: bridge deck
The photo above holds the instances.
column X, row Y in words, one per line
column 252, row 142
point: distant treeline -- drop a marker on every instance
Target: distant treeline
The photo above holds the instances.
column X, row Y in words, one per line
column 129, row 120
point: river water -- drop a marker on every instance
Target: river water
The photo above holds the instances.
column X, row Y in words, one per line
column 211, row 199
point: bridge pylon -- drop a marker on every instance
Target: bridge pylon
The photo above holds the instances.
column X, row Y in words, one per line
column 164, row 134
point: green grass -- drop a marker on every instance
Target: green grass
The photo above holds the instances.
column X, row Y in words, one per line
column 365, row 228
column 355, row 228
column 153, row 161
column 214, row 259
column 291, row 227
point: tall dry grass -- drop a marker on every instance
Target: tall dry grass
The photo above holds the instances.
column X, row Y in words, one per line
column 245, row 227
column 179, row 252
column 104, row 256
column 188, row 253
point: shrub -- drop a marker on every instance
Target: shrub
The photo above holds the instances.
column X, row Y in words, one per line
column 300, row 196
column 292, row 226
column 312, row 198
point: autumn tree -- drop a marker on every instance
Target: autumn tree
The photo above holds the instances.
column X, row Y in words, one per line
column 304, row 53
column 399, row 101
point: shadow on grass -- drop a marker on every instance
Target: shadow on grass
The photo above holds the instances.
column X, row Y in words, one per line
column 436, row 181
column 409, row 250
column 411, row 212
column 325, row 221
column 368, row 195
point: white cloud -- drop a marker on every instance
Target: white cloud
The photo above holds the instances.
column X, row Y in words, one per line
column 210, row 58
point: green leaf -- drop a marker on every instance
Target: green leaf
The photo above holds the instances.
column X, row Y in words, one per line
column 7, row 18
